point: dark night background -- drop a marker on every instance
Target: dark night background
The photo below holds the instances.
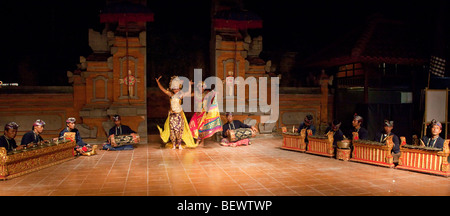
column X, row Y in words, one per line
column 44, row 39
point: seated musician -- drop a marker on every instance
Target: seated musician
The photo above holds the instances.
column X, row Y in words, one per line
column 7, row 140
column 308, row 125
column 116, row 130
column 363, row 134
column 232, row 125
column 338, row 135
column 34, row 136
column 81, row 147
column 435, row 141
column 383, row 135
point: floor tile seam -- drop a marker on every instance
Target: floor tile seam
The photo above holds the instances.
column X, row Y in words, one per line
column 100, row 159
column 318, row 191
column 165, row 168
column 184, row 168
column 282, row 184
column 54, row 188
column 110, row 169
column 128, row 172
column 240, row 186
column 254, row 180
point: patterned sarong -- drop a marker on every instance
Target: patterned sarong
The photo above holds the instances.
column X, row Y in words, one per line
column 226, row 142
column 212, row 122
column 197, row 121
column 185, row 135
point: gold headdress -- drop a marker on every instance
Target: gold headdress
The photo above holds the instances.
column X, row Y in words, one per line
column 175, row 83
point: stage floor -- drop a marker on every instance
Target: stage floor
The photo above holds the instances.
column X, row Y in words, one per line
column 212, row 170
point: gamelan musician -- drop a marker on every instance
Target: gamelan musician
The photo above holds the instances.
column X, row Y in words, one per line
column 116, row 130
column 232, row 125
column 338, row 135
column 7, row 140
column 363, row 134
column 81, row 147
column 308, row 125
column 385, row 133
column 435, row 141
column 34, row 136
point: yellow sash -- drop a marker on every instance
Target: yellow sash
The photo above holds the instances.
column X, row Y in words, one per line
column 186, row 137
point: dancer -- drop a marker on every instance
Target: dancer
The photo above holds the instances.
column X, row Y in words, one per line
column 212, row 123
column 198, row 119
column 206, row 123
column 176, row 126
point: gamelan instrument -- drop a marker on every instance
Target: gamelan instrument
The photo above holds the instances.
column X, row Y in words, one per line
column 372, row 152
column 43, row 154
column 321, row 145
column 424, row 159
column 240, row 134
column 294, row 141
column 127, row 139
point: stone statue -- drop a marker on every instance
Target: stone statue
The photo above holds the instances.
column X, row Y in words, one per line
column 256, row 46
column 98, row 41
column 230, row 83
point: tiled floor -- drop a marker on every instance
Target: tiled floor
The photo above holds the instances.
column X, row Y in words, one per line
column 259, row 169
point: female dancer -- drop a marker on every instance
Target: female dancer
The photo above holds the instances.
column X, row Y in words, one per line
column 206, row 123
column 176, row 126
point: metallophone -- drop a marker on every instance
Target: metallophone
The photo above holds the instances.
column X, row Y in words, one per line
column 44, row 154
column 424, row 159
column 372, row 152
column 321, row 145
column 294, row 141
column 413, row 157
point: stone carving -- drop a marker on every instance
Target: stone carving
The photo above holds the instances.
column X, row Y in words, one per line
column 98, row 41
column 256, row 46
column 86, row 132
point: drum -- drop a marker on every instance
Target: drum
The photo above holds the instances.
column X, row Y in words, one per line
column 70, row 136
column 240, row 134
column 126, row 139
